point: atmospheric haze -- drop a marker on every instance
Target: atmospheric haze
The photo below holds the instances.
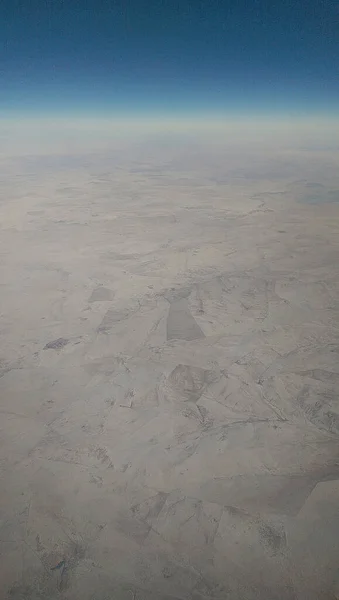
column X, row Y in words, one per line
column 169, row 358
column 169, row 308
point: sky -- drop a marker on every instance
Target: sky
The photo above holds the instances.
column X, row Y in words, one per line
column 154, row 57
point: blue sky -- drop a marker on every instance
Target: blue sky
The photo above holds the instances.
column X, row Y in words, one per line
column 165, row 57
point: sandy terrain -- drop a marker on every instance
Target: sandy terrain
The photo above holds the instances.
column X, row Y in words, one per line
column 169, row 373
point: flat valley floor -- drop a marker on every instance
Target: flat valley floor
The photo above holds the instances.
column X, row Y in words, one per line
column 169, row 373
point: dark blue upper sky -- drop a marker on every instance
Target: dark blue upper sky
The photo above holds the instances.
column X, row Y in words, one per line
column 165, row 56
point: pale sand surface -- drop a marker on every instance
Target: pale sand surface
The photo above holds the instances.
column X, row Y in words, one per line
column 169, row 373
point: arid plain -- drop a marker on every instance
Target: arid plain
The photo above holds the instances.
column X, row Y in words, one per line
column 169, row 370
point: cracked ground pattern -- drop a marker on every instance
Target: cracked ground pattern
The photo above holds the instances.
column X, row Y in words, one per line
column 169, row 375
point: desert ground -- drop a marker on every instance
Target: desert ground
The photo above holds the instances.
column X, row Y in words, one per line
column 169, row 371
